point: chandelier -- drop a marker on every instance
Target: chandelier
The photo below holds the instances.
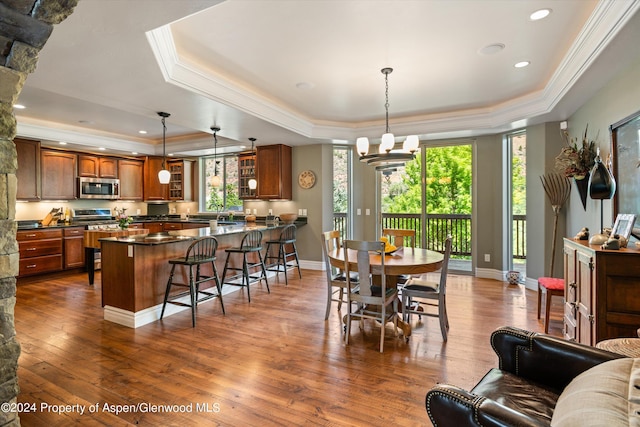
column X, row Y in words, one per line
column 387, row 157
column 216, row 181
column 164, row 176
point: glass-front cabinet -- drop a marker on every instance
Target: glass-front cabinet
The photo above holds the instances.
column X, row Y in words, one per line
column 246, row 171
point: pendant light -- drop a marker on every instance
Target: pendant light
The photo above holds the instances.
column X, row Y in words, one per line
column 216, row 181
column 253, row 183
column 386, row 158
column 164, row 175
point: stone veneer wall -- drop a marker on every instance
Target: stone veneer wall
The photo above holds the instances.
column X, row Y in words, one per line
column 25, row 26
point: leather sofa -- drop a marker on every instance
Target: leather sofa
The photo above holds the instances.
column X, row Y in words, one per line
column 543, row 380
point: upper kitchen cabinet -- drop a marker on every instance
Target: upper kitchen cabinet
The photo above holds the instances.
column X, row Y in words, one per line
column 273, row 172
column 246, row 171
column 131, row 174
column 97, row 167
column 58, row 171
column 181, row 181
column 28, row 173
column 153, row 190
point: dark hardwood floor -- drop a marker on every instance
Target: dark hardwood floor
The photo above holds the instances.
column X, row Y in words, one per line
column 269, row 363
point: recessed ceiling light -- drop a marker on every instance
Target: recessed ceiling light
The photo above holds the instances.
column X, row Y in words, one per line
column 19, row 107
column 86, row 122
column 522, row 64
column 491, row 49
column 305, row 85
column 539, row 14
column 102, row 149
column 134, row 152
column 62, row 143
column 143, row 132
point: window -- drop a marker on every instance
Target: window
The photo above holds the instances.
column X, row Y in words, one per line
column 341, row 190
column 225, row 197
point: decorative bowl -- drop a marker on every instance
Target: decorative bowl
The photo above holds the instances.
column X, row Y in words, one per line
column 288, row 218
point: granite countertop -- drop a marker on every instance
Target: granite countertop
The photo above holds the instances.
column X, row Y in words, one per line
column 165, row 237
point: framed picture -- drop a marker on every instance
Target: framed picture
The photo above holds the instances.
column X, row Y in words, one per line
column 625, row 151
column 623, row 225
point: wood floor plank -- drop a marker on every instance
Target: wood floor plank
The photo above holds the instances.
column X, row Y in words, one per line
column 274, row 361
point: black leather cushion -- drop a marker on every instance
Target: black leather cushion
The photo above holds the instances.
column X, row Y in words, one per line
column 518, row 394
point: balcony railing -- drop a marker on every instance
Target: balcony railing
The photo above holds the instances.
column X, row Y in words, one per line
column 439, row 226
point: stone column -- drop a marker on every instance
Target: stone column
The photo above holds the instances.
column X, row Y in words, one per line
column 25, row 26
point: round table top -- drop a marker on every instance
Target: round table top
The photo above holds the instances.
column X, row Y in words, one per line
column 403, row 261
column 625, row 346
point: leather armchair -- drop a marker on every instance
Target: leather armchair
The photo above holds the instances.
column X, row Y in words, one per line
column 533, row 370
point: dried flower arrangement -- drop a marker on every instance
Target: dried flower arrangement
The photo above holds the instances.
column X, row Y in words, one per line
column 576, row 161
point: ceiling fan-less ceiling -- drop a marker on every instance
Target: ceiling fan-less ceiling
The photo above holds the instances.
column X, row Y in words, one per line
column 387, row 157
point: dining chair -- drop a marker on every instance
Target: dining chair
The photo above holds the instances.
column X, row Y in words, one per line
column 336, row 278
column 202, row 251
column 400, row 237
column 364, row 299
column 429, row 294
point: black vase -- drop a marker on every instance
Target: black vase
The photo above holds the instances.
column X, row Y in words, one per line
column 583, row 187
column 601, row 183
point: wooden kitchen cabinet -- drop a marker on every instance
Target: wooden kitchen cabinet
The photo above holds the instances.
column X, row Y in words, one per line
column 246, row 171
column 28, row 173
column 273, row 172
column 40, row 251
column 602, row 292
column 58, row 171
column 131, row 173
column 73, row 239
column 153, row 190
column 97, row 166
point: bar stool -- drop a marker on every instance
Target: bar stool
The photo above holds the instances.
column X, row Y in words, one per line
column 286, row 249
column 201, row 251
column 251, row 243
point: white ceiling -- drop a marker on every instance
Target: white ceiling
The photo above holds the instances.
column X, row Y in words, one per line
column 308, row 71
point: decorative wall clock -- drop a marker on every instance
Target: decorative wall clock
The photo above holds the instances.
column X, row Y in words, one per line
column 307, row 179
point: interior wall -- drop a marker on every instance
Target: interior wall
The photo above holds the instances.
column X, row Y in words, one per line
column 616, row 100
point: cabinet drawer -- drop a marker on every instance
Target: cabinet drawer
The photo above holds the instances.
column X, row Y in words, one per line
column 39, row 265
column 172, row 226
column 72, row 232
column 23, row 235
column 36, row 248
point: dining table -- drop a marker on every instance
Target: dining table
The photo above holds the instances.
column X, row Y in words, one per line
column 403, row 261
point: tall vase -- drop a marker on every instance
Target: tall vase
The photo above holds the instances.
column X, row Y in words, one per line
column 582, row 185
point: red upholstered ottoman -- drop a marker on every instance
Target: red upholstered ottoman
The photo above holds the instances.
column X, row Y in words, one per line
column 551, row 286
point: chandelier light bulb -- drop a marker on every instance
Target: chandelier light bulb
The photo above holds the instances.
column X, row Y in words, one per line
column 362, row 145
column 411, row 144
column 253, row 184
column 387, row 143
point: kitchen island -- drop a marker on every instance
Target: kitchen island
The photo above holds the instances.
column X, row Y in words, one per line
column 135, row 269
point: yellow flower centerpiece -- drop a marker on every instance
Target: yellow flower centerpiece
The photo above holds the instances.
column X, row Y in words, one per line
column 388, row 247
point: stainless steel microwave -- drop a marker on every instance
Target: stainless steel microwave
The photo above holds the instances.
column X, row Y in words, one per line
column 98, row 188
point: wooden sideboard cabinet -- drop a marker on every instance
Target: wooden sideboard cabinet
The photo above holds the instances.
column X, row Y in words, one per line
column 602, row 292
